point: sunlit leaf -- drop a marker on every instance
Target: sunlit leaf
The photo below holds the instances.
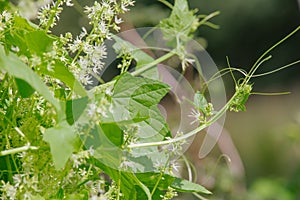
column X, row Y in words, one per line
column 24, row 89
column 182, row 185
column 15, row 67
column 63, row 142
column 74, row 109
column 200, row 102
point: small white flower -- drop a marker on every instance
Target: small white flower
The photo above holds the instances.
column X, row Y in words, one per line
column 196, row 115
column 85, row 79
column 83, row 63
column 35, row 60
column 109, row 13
column 76, row 160
column 50, row 67
column 175, row 166
column 18, row 179
column 102, row 27
column 118, row 20
column 76, row 45
column 127, row 165
column 92, row 109
column 91, row 151
column 123, row 7
column 82, row 172
column 87, row 48
column 100, row 51
column 83, row 33
column 10, row 190
column 7, row 16
column 69, row 3
column 108, row 91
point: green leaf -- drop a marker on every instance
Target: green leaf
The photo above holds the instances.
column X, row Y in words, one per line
column 4, row 5
column 74, row 109
column 63, row 142
column 31, row 41
column 134, row 102
column 134, row 96
column 61, row 72
column 200, row 102
column 129, row 181
column 38, row 42
column 105, row 150
column 24, row 89
column 36, row 197
column 150, row 179
column 139, row 56
column 17, row 36
column 15, row 67
column 76, row 196
column 183, row 185
column 182, row 22
column 137, row 98
column 114, row 133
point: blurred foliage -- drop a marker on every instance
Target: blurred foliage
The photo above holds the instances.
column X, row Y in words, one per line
column 268, row 189
column 248, row 28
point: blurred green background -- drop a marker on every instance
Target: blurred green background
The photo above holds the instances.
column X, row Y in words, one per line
column 267, row 136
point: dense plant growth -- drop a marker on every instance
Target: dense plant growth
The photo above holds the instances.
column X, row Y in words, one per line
column 68, row 134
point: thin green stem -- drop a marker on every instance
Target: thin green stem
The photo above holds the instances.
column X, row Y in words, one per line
column 98, row 78
column 15, row 163
column 219, row 114
column 119, row 186
column 145, row 189
column 8, row 163
column 81, row 48
column 276, row 70
column 162, row 172
column 221, row 73
column 270, row 93
column 166, row 3
column 208, row 17
column 16, row 128
column 212, row 25
column 253, row 70
column 157, row 182
column 254, row 67
column 189, row 169
column 152, row 64
column 199, row 196
column 10, row 173
column 228, row 63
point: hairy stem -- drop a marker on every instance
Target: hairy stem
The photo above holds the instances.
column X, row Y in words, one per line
column 17, row 150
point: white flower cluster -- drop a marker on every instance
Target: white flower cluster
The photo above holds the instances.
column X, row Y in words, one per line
column 89, row 48
column 49, row 14
column 91, row 62
column 5, row 20
column 24, row 184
